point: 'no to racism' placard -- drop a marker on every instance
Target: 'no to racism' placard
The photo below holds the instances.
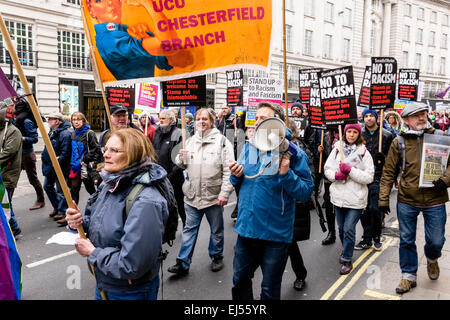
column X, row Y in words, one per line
column 124, row 94
column 382, row 84
column 337, row 95
column 307, row 78
column 408, row 84
column 235, row 88
column 189, row 92
column 364, row 94
column 315, row 108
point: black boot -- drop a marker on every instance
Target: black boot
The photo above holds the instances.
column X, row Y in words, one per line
column 331, row 238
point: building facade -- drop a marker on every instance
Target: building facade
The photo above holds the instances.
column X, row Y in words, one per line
column 326, row 34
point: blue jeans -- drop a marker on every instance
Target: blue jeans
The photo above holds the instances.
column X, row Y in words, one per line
column 56, row 197
column 347, row 219
column 434, row 223
column 214, row 215
column 250, row 254
column 12, row 220
column 145, row 292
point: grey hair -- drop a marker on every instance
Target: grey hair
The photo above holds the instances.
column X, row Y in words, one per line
column 169, row 113
column 275, row 107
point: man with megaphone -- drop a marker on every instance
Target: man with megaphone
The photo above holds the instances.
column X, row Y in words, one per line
column 269, row 176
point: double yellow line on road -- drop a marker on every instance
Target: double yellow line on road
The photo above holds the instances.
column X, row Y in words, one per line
column 388, row 242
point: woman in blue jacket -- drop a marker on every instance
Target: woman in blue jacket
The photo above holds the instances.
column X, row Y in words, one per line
column 125, row 250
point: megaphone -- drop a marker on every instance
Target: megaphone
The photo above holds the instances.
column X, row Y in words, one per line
column 270, row 135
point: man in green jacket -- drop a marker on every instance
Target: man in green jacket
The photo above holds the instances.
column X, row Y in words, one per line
column 10, row 162
column 411, row 199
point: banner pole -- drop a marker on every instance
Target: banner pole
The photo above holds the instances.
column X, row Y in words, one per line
column 285, row 65
column 146, row 124
column 95, row 66
column 381, row 130
column 321, row 144
column 341, row 149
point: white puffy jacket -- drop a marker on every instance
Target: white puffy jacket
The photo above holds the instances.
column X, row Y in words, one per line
column 353, row 192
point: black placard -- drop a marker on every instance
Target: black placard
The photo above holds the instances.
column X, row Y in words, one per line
column 190, row 92
column 408, row 84
column 337, row 95
column 315, row 108
column 382, row 83
column 124, row 95
column 306, row 79
column 364, row 94
column 235, row 88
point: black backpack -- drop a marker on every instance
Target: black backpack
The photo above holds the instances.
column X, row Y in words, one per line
column 165, row 189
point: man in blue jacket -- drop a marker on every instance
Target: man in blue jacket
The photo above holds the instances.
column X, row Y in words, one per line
column 265, row 222
column 61, row 140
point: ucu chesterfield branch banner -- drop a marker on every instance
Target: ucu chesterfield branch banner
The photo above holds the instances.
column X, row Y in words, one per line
column 173, row 39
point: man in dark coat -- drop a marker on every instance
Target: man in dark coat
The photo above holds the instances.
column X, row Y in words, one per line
column 61, row 139
column 167, row 138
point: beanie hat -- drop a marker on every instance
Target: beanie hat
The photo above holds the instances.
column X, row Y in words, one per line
column 297, row 104
column 356, row 126
column 189, row 115
column 367, row 110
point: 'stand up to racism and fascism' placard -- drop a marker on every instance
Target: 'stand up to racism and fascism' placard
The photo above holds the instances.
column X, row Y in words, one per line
column 173, row 39
column 337, row 95
column 408, row 84
column 383, row 82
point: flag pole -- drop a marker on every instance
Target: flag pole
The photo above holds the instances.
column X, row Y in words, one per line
column 95, row 66
column 284, row 65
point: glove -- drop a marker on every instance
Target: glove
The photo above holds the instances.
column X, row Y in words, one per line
column 384, row 209
column 439, row 185
column 378, row 159
column 340, row 176
column 345, row 168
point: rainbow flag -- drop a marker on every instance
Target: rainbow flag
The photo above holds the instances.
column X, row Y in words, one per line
column 10, row 264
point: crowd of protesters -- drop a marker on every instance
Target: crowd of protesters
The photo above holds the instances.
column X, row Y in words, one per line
column 220, row 157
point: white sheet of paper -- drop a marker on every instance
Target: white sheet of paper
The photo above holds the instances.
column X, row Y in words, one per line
column 63, row 238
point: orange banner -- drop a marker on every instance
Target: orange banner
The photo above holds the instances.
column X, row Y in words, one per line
column 172, row 39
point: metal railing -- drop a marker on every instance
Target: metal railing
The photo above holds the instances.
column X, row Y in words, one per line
column 74, row 62
column 27, row 58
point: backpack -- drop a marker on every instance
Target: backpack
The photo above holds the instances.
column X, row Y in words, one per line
column 402, row 149
column 166, row 190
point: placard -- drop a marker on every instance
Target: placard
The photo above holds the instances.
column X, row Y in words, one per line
column 337, row 95
column 250, row 116
column 124, row 94
column 235, row 88
column 383, row 82
column 364, row 94
column 185, row 92
column 435, row 153
column 315, row 108
column 307, row 78
column 148, row 98
column 265, row 89
column 408, row 84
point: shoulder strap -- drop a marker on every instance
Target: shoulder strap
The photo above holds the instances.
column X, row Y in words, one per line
column 131, row 197
column 401, row 151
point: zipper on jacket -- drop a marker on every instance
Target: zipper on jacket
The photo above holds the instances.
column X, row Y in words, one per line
column 420, row 157
column 282, row 202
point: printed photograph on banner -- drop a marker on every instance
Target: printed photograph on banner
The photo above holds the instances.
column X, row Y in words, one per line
column 337, row 96
column 383, row 83
column 408, row 84
column 142, row 39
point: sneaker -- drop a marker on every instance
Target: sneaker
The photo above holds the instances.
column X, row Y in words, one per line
column 217, row 264
column 404, row 286
column 433, row 270
column 16, row 232
column 362, row 245
column 377, row 245
column 346, row 267
column 178, row 269
column 299, row 284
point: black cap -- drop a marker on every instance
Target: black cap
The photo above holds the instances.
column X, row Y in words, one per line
column 117, row 108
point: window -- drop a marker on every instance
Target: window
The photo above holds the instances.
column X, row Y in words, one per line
column 418, row 62
column 255, row 73
column 327, row 46
column 445, row 20
column 71, row 50
column 211, row 78
column 432, row 39
column 433, row 17
column 406, row 33
column 421, row 14
column 419, row 36
column 293, row 73
column 309, row 8
column 347, row 17
column 444, row 41
column 289, row 5
column 407, row 10
column 405, row 59
column 307, row 48
column 74, row 2
column 373, row 38
column 329, row 11
column 288, row 37
column 442, row 66
column 430, row 64
column 22, row 34
column 346, row 50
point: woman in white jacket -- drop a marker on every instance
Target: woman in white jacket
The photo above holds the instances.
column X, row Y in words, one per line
column 348, row 190
column 206, row 189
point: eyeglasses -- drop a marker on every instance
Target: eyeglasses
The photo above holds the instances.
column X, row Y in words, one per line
column 111, row 150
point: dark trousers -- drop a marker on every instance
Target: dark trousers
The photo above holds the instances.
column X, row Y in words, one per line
column 179, row 197
column 371, row 218
column 29, row 164
column 329, row 209
column 75, row 186
column 297, row 261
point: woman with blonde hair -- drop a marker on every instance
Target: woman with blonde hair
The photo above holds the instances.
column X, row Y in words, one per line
column 125, row 249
